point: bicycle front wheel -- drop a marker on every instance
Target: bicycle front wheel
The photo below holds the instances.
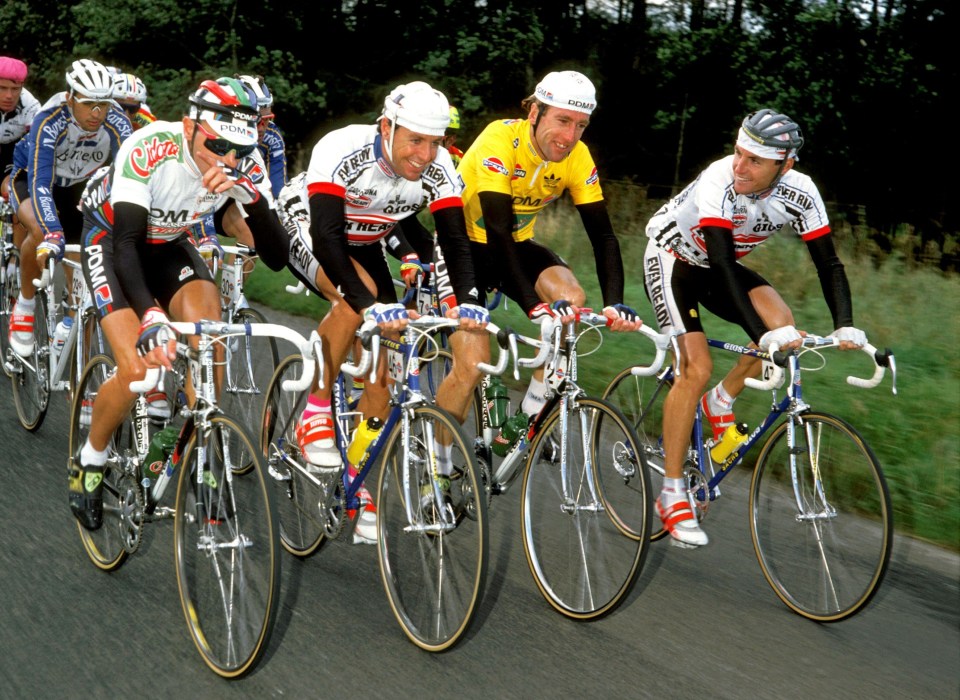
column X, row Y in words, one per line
column 298, row 495
column 640, row 399
column 109, row 546
column 820, row 517
column 250, row 363
column 30, row 380
column 8, row 297
column 580, row 557
column 226, row 550
column 433, row 563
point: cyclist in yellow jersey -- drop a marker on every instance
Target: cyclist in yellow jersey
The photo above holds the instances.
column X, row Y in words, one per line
column 514, row 169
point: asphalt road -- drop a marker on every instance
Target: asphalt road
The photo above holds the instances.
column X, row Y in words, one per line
column 700, row 623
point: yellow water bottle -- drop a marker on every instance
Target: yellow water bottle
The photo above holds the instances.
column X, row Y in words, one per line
column 730, row 441
column 362, row 437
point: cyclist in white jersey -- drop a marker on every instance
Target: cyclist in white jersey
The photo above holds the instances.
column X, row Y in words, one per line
column 74, row 133
column 139, row 261
column 695, row 242
column 362, row 182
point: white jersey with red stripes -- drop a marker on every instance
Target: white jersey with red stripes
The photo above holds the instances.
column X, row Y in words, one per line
column 710, row 201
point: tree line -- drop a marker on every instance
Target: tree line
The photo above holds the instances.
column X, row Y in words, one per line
column 867, row 80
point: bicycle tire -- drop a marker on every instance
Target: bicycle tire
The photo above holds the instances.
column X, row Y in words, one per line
column 8, row 297
column 250, row 363
column 297, row 497
column 825, row 568
column 109, row 546
column 227, row 551
column 433, row 578
column 30, row 378
column 640, row 399
column 582, row 562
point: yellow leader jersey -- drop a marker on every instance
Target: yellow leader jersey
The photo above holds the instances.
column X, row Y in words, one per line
column 503, row 159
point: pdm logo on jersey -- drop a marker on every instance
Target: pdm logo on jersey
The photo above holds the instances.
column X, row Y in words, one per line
column 495, row 165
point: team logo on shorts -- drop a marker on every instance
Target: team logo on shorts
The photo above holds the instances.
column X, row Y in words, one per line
column 185, row 272
column 103, row 297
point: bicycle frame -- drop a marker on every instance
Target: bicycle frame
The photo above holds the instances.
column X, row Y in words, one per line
column 791, row 405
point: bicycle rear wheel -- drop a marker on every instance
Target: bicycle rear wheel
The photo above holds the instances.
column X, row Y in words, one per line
column 640, row 399
column 9, row 292
column 109, row 546
column 250, row 363
column 30, row 376
column 226, row 549
column 433, row 569
column 820, row 518
column 580, row 558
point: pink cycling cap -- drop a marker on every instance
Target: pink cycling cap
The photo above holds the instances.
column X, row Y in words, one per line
column 13, row 69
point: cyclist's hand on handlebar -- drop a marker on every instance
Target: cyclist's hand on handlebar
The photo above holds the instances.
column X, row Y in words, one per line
column 53, row 245
column 786, row 338
column 210, row 248
column 562, row 310
column 390, row 317
column 411, row 269
column 157, row 342
column 850, row 338
column 621, row 317
column 472, row 317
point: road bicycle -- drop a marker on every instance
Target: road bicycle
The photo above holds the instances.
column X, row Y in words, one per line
column 586, row 502
column 227, row 553
column 432, row 552
column 820, row 514
column 34, row 378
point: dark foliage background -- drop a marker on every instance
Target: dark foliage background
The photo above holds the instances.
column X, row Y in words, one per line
column 868, row 80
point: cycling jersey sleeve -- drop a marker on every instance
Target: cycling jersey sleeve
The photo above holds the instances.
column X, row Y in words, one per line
column 129, row 231
column 833, row 280
column 329, row 240
column 269, row 235
column 498, row 219
column 452, row 237
column 606, row 250
column 723, row 261
column 409, row 237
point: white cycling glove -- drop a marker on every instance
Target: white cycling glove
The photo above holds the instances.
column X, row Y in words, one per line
column 384, row 313
column 781, row 336
column 850, row 335
column 477, row 313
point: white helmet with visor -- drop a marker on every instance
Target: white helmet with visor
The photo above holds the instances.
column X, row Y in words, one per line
column 418, row 107
column 567, row 90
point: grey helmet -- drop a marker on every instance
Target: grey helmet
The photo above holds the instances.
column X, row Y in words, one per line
column 774, row 130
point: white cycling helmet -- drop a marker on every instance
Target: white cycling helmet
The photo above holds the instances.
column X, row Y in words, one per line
column 127, row 86
column 90, row 79
column 418, row 107
column 259, row 88
column 567, row 90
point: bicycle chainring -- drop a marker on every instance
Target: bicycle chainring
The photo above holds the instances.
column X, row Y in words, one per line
column 130, row 503
column 698, row 489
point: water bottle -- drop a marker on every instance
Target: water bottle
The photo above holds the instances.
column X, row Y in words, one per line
column 362, row 437
column 60, row 335
column 498, row 401
column 161, row 445
column 729, row 442
column 511, row 431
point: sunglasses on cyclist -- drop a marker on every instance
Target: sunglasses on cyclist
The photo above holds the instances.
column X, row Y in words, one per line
column 222, row 147
column 130, row 108
column 94, row 104
column 264, row 118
